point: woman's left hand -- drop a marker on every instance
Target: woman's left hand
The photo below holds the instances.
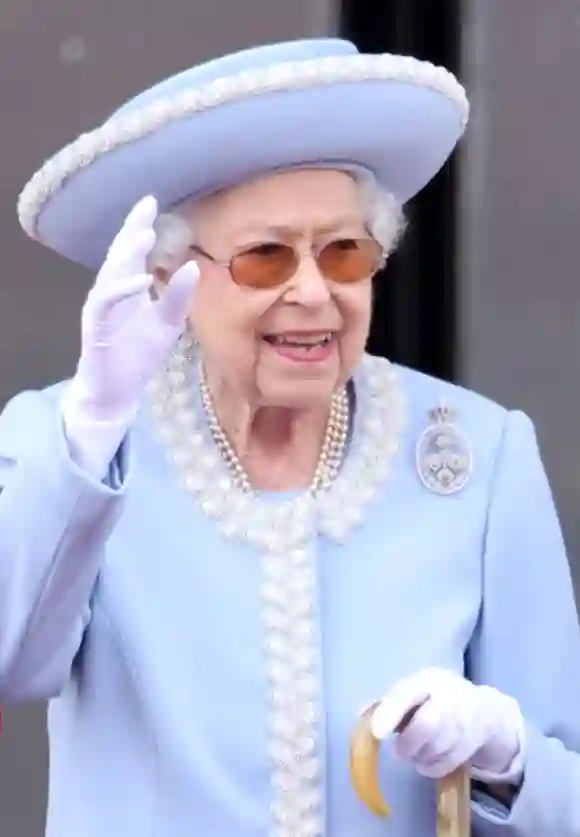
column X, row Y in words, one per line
column 456, row 723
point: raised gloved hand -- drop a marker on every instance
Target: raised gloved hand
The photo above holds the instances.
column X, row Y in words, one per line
column 456, row 723
column 126, row 335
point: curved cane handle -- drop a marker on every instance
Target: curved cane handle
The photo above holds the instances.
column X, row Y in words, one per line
column 453, row 791
column 364, row 764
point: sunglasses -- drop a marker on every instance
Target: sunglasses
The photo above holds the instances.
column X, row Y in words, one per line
column 271, row 264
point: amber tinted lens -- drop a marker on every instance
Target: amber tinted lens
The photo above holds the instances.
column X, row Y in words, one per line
column 264, row 266
column 350, row 259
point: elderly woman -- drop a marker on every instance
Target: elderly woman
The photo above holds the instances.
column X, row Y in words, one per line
column 232, row 530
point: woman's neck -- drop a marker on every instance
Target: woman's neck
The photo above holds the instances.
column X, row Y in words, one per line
column 278, row 448
column 283, row 447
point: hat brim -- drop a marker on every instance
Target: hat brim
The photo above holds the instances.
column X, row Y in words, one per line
column 401, row 122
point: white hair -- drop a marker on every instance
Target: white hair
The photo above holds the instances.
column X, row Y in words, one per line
column 384, row 218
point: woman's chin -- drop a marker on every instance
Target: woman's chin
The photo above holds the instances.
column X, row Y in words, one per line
column 302, row 392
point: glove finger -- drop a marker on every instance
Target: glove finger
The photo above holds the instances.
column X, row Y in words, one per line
column 462, row 744
column 131, row 289
column 403, row 697
column 429, row 732
column 176, row 299
column 128, row 256
column 442, row 767
column 139, row 220
column 141, row 216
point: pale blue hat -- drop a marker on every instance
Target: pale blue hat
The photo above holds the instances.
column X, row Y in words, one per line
column 220, row 123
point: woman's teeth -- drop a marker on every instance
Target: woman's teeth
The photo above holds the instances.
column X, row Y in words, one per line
column 306, row 340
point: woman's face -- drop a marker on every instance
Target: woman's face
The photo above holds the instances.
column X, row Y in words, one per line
column 254, row 340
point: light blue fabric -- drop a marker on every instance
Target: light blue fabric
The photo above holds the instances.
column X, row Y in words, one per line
column 122, row 601
column 402, row 132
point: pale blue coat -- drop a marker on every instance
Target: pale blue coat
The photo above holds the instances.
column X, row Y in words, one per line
column 124, row 603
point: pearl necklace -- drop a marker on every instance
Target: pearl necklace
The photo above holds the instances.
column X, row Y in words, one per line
column 331, row 452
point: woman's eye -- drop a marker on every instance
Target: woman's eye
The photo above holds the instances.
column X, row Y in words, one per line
column 345, row 244
column 266, row 249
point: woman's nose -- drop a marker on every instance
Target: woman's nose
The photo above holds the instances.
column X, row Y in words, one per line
column 308, row 286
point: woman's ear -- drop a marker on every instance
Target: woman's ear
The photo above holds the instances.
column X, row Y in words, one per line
column 161, row 276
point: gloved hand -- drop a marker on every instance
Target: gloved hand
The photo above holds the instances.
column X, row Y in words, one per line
column 456, row 723
column 126, row 335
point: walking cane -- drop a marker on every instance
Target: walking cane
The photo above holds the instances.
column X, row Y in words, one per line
column 453, row 791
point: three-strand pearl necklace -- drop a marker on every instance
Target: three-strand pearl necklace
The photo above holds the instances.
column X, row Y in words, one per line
column 331, row 452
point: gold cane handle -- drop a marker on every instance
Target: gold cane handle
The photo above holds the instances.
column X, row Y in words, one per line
column 453, row 791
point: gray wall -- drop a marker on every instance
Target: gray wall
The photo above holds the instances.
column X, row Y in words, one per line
column 64, row 66
column 520, row 256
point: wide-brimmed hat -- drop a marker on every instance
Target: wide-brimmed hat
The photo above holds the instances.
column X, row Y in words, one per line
column 299, row 103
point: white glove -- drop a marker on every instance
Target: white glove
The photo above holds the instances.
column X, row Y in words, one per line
column 456, row 723
column 126, row 335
